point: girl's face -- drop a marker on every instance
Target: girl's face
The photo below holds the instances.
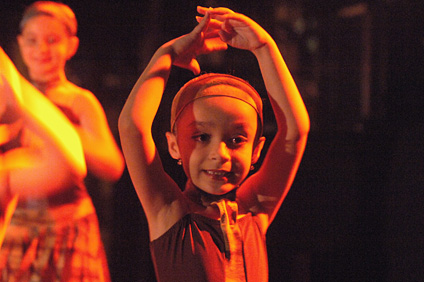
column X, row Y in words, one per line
column 45, row 47
column 215, row 140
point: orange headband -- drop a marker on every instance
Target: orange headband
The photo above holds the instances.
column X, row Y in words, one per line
column 194, row 89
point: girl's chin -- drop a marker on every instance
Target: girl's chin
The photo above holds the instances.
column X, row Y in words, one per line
column 216, row 188
column 218, row 192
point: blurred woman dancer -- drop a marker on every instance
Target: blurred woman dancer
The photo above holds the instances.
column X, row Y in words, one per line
column 55, row 236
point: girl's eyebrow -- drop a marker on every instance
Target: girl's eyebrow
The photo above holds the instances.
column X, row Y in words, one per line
column 200, row 124
column 240, row 126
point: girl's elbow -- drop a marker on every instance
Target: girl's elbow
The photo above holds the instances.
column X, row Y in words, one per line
column 302, row 130
column 304, row 125
column 130, row 123
column 299, row 134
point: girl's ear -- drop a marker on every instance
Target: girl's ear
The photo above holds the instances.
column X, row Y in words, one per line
column 258, row 149
column 73, row 45
column 173, row 149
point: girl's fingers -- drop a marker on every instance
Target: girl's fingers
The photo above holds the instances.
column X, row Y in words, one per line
column 219, row 14
column 213, row 23
column 203, row 23
column 225, row 36
column 226, row 21
column 194, row 66
column 212, row 30
column 210, row 34
column 219, row 18
column 214, row 11
column 214, row 44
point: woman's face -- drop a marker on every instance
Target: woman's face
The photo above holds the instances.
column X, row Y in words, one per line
column 45, row 47
column 215, row 138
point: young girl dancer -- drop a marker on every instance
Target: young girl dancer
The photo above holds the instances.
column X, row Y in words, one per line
column 214, row 230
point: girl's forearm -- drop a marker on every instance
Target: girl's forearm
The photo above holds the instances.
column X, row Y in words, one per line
column 282, row 90
column 143, row 102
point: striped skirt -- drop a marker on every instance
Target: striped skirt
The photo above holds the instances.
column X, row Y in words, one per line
column 35, row 249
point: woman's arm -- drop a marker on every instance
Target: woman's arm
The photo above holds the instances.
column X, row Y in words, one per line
column 47, row 153
column 103, row 156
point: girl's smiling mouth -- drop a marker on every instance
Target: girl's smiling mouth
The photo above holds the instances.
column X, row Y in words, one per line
column 217, row 174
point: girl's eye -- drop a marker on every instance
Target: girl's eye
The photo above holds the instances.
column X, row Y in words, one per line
column 201, row 137
column 237, row 141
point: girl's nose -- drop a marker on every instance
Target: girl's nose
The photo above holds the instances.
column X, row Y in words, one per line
column 220, row 152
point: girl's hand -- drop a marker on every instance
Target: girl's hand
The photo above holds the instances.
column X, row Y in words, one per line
column 201, row 40
column 235, row 29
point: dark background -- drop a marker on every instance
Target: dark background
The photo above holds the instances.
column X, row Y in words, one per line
column 355, row 210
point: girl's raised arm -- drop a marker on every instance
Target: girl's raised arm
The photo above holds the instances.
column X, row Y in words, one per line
column 154, row 187
column 265, row 190
column 160, row 196
column 281, row 163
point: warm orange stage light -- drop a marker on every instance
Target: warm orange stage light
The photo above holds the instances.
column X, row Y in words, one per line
column 38, row 107
column 39, row 167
